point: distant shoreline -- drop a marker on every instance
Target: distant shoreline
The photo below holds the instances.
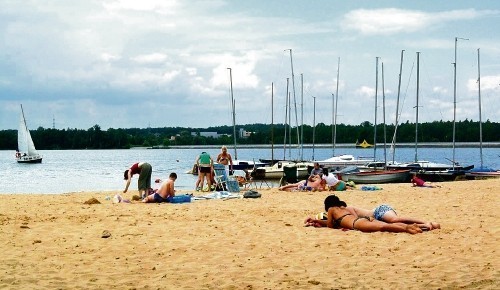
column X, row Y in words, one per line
column 345, row 145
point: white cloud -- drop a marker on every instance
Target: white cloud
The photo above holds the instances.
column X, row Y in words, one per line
column 487, row 83
column 153, row 58
column 392, row 20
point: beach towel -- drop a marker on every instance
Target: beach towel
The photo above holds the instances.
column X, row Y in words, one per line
column 217, row 195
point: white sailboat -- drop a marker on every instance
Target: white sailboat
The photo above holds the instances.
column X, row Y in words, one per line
column 26, row 148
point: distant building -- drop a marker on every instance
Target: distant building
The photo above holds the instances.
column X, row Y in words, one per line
column 244, row 133
column 206, row 134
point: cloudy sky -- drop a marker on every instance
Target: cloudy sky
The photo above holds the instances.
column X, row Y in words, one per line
column 164, row 63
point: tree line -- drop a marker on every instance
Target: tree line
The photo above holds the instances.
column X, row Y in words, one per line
column 96, row 138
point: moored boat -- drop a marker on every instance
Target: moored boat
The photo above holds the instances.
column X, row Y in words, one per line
column 342, row 161
column 276, row 170
column 377, row 176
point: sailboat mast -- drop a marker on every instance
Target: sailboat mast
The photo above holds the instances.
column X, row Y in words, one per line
column 455, row 96
column 480, row 119
column 286, row 119
column 233, row 111
column 272, row 122
column 393, row 146
column 314, row 125
column 375, row 125
column 416, row 107
column 335, row 111
column 383, row 116
column 294, row 99
column 302, row 117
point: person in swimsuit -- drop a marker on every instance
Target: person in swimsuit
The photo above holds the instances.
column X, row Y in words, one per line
column 225, row 159
column 415, row 181
column 340, row 216
column 165, row 192
column 387, row 214
column 144, row 170
column 205, row 164
column 313, row 183
column 332, row 182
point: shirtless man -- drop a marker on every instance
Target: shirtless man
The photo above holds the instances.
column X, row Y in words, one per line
column 165, row 192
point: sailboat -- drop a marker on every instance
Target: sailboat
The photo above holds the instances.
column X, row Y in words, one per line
column 26, row 148
column 431, row 170
column 238, row 164
column 482, row 171
column 374, row 175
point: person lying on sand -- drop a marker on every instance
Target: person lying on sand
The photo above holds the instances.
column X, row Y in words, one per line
column 313, row 183
column 165, row 192
column 339, row 216
column 386, row 214
column 415, row 181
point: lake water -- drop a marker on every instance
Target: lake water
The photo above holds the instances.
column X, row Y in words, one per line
column 65, row 171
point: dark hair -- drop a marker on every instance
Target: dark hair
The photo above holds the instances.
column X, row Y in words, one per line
column 333, row 200
column 125, row 175
column 173, row 175
column 325, row 171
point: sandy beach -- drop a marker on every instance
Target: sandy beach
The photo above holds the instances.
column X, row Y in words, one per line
column 56, row 242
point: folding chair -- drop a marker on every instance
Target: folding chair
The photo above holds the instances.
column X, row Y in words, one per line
column 222, row 181
column 220, row 176
column 289, row 175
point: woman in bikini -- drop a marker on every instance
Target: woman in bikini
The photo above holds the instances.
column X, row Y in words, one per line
column 340, row 216
column 225, row 159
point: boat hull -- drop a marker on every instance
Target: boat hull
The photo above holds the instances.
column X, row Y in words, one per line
column 29, row 159
column 383, row 176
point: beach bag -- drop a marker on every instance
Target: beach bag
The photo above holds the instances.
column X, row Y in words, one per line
column 252, row 194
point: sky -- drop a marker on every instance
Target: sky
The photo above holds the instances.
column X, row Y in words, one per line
column 171, row 63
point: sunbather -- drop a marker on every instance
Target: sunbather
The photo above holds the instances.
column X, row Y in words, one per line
column 387, row 214
column 313, row 183
column 341, row 216
column 165, row 192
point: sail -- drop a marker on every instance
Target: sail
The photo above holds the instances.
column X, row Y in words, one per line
column 24, row 142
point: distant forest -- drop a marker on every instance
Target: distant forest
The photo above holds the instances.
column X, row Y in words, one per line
column 95, row 138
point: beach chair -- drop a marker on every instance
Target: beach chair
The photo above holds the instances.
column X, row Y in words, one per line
column 222, row 181
column 289, row 175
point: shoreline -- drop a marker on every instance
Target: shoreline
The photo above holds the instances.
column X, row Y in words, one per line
column 57, row 241
column 344, row 145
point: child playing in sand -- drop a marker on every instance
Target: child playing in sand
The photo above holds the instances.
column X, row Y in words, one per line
column 415, row 181
column 165, row 192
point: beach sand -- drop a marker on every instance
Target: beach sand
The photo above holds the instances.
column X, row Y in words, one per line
column 56, row 242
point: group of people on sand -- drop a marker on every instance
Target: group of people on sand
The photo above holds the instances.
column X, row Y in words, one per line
column 337, row 214
column 166, row 191
column 383, row 218
column 319, row 180
column 205, row 166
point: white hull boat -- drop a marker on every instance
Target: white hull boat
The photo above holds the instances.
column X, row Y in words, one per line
column 27, row 152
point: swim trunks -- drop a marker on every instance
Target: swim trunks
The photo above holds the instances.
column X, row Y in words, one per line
column 158, row 198
column 340, row 186
column 380, row 210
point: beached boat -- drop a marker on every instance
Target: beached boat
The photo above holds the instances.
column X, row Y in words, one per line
column 377, row 176
column 26, row 148
column 276, row 170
